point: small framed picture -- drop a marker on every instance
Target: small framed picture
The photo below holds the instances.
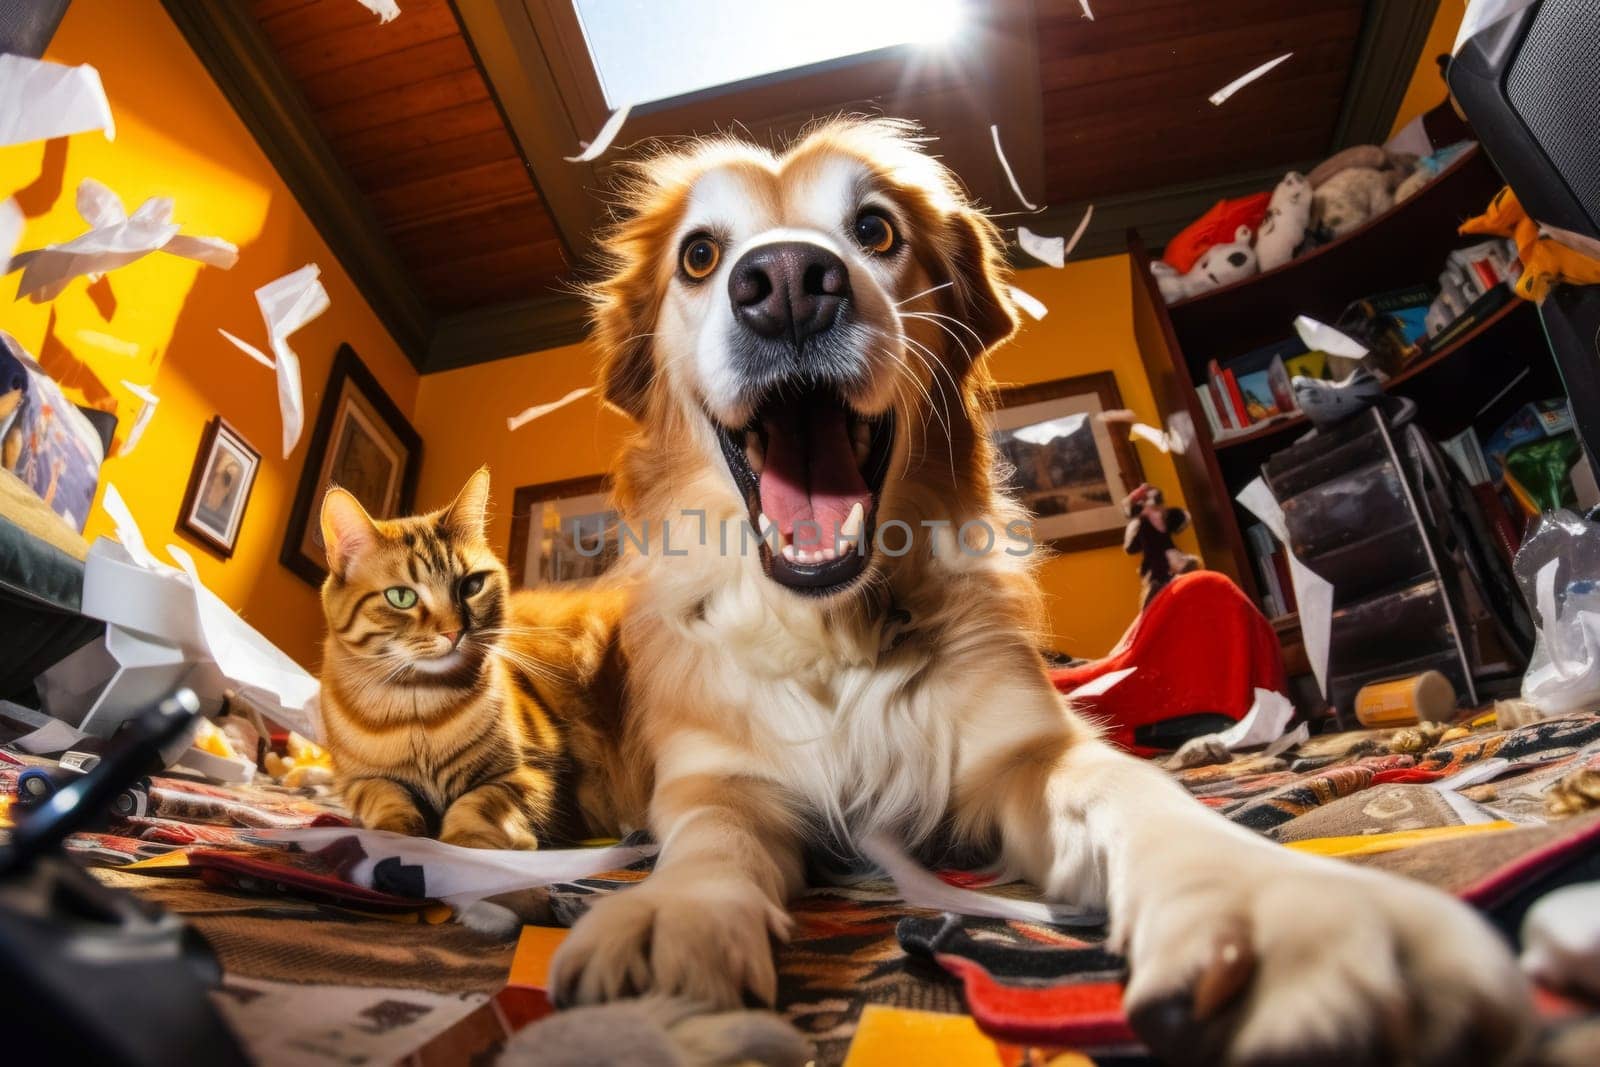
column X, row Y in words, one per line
column 219, row 488
column 361, row 442
column 562, row 532
column 1069, row 468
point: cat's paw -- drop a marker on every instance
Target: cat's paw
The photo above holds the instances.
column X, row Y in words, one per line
column 474, row 832
column 379, row 804
column 707, row 940
column 1294, row 960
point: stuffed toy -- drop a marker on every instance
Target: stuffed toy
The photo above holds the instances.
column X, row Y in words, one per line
column 1354, row 185
column 1149, row 535
column 1219, row 225
column 1220, row 265
column 1429, row 167
column 1545, row 261
column 1284, row 227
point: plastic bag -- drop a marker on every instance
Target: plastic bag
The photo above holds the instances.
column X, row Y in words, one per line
column 1558, row 570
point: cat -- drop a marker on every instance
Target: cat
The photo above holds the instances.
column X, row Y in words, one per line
column 456, row 706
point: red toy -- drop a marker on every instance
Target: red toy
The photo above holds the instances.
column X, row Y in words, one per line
column 1215, row 227
column 1199, row 648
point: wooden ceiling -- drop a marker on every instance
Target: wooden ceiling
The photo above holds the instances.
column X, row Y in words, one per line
column 409, row 115
column 428, row 150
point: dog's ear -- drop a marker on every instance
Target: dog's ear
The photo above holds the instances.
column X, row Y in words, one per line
column 626, row 365
column 976, row 262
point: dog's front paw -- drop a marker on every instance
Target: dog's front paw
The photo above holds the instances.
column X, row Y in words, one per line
column 1299, row 960
column 703, row 940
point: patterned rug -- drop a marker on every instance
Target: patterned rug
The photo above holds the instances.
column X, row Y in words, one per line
column 1466, row 811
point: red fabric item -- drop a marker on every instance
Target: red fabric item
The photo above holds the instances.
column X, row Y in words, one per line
column 1216, row 226
column 1200, row 646
column 1060, row 1015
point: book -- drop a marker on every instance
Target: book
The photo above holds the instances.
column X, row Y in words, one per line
column 1260, row 400
column 1219, row 396
column 1207, row 405
column 1241, row 411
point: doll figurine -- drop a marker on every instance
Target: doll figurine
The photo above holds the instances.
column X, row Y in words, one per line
column 1149, row 535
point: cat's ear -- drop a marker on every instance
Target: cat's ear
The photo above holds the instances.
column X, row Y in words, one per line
column 467, row 514
column 347, row 530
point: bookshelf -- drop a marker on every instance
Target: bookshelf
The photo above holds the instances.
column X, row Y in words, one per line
column 1477, row 379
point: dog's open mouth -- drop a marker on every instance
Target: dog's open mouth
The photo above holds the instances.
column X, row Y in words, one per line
column 810, row 470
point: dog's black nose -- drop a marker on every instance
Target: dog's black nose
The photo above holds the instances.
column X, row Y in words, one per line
column 788, row 289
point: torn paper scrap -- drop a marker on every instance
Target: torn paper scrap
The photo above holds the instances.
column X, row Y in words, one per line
column 1481, row 14
column 104, row 341
column 11, row 223
column 602, row 140
column 1298, row 736
column 127, row 530
column 40, row 100
column 147, row 411
column 1087, row 13
column 1222, row 94
column 1263, row 724
column 922, row 888
column 1048, row 250
column 386, row 10
column 1099, row 685
column 1029, row 303
column 1005, row 165
column 1320, row 337
column 1141, row 432
column 287, row 304
column 460, row 876
column 1312, row 592
column 527, row 415
column 115, row 239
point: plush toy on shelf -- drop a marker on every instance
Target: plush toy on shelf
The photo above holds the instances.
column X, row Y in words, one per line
column 1285, row 225
column 1220, row 265
column 1151, row 526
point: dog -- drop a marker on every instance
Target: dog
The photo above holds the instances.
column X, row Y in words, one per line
column 800, row 339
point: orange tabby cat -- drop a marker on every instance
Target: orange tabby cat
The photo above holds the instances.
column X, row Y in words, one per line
column 457, row 706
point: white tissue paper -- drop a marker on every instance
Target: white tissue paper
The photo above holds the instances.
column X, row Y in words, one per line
column 602, row 140
column 287, row 304
column 922, row 888
column 114, row 240
column 1564, row 672
column 539, row 411
column 1005, row 165
column 1320, row 337
column 1312, row 592
column 462, row 876
column 147, row 411
column 165, row 629
column 1220, row 97
column 40, row 101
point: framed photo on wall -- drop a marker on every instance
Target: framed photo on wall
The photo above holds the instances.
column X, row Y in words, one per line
column 562, row 532
column 362, row 443
column 224, row 472
column 1069, row 468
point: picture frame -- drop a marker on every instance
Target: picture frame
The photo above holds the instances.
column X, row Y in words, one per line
column 360, row 441
column 220, row 483
column 1069, row 468
column 562, row 532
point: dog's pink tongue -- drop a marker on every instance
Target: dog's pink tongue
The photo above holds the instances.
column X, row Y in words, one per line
column 810, row 473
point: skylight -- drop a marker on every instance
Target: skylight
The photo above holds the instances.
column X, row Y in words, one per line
column 645, row 50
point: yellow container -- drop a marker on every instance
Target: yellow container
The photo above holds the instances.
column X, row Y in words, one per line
column 1425, row 697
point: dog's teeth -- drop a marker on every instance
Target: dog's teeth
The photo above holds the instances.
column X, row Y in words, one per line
column 765, row 524
column 826, row 554
column 861, row 437
column 852, row 523
column 754, row 454
column 789, row 553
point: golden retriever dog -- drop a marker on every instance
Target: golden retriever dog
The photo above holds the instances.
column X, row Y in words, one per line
column 800, row 338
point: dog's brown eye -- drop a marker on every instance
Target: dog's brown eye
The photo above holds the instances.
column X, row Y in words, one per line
column 700, row 257
column 874, row 233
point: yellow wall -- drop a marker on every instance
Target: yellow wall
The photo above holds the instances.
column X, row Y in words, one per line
column 1427, row 88
column 177, row 136
column 1094, row 595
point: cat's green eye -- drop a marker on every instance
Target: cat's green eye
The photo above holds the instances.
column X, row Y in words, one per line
column 401, row 596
